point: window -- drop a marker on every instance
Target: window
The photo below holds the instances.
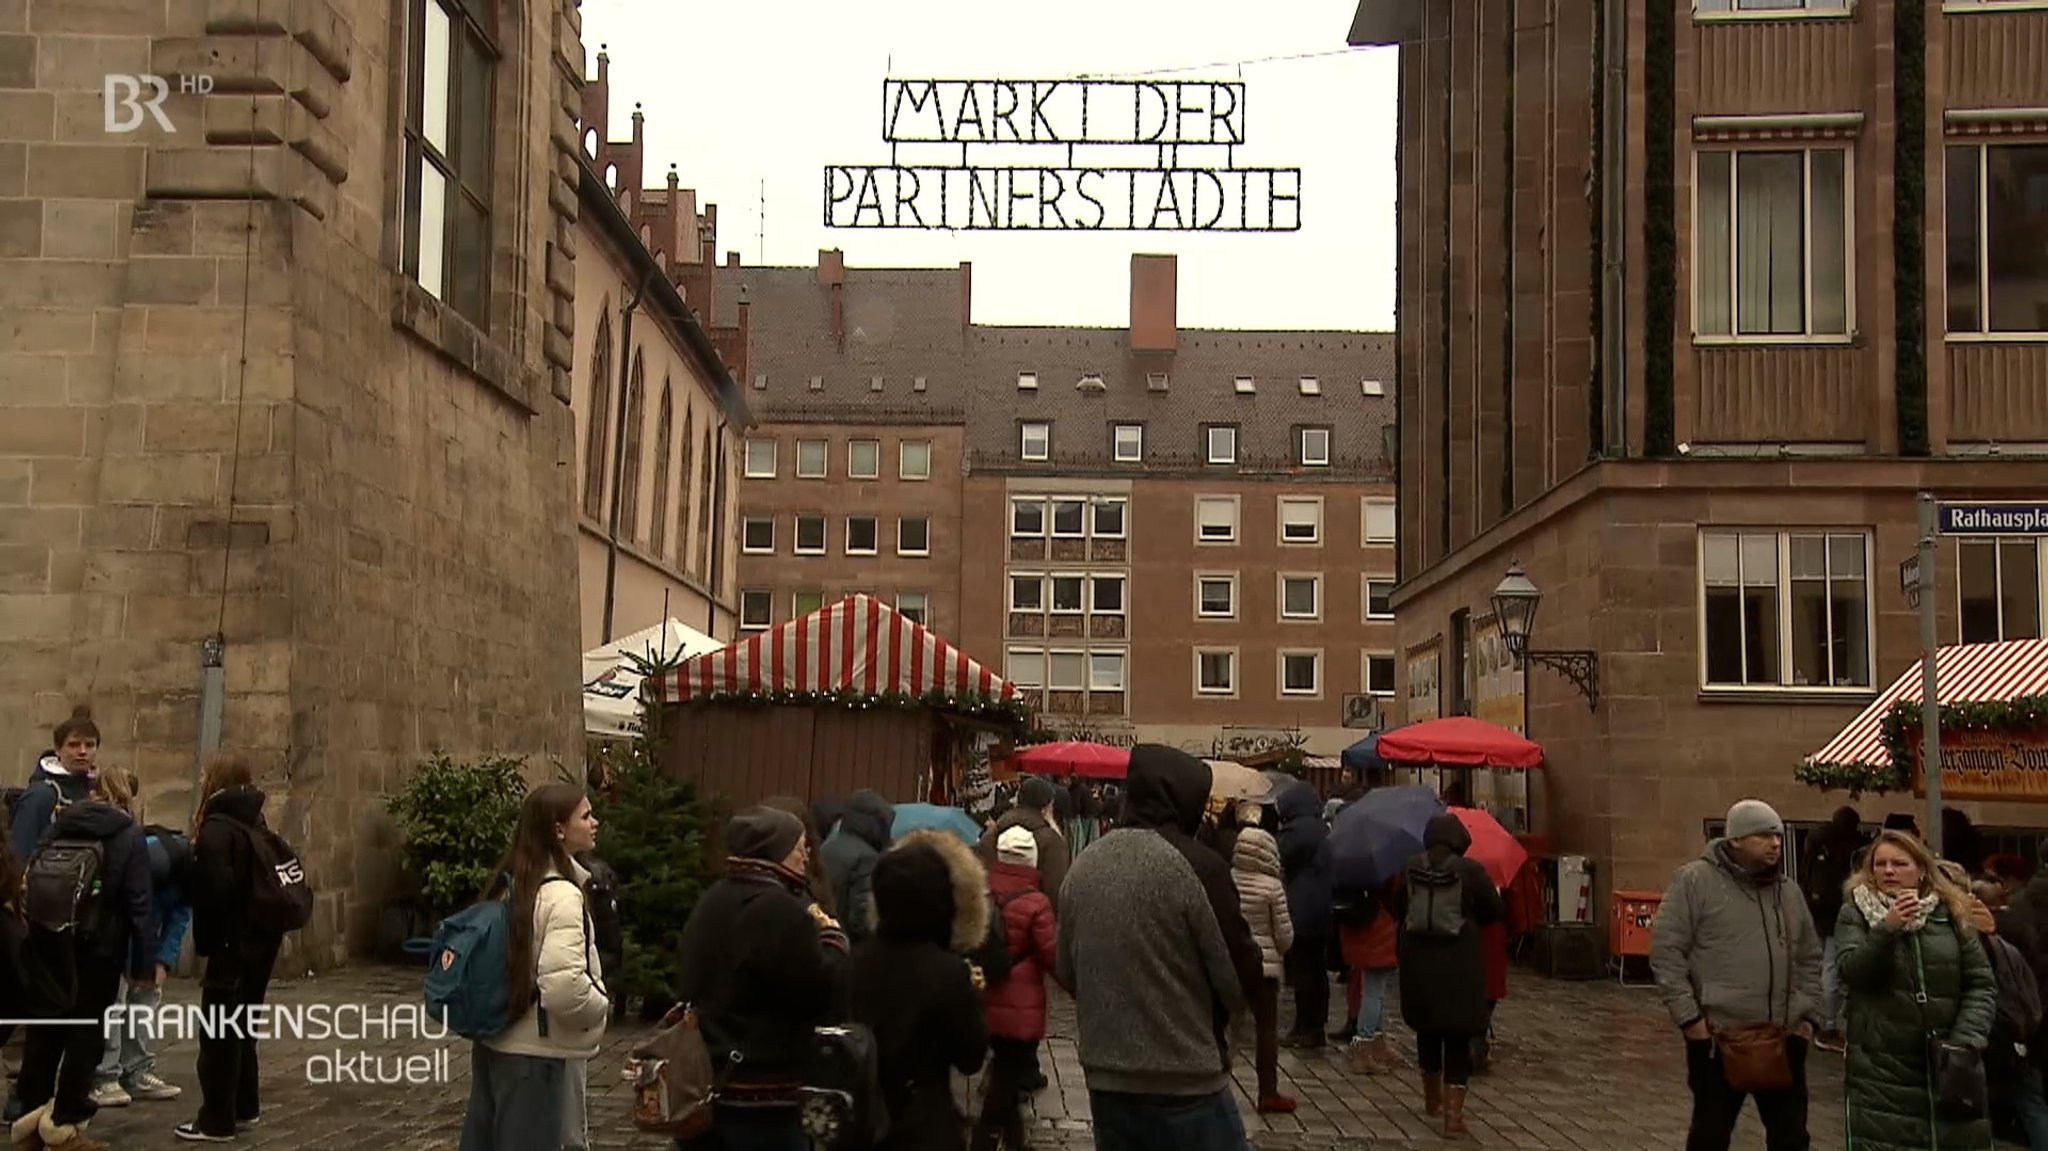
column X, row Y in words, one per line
column 1222, row 443
column 1105, row 671
column 1024, row 667
column 757, row 608
column 448, row 153
column 1379, row 521
column 914, row 459
column 1107, row 594
column 1998, row 589
column 914, row 536
column 1379, row 673
column 1034, row 440
column 1301, row 520
column 1770, row 5
column 1066, row 670
column 1998, row 238
column 1372, row 387
column 1128, row 441
column 1313, row 447
column 757, row 535
column 1027, row 518
column 1301, row 596
column 664, row 449
column 597, row 428
column 863, row 459
column 913, row 606
column 804, row 603
column 1301, row 673
column 1785, row 609
column 1245, row 386
column 1379, row 598
column 1310, row 386
column 1066, row 594
column 810, row 535
column 861, row 535
column 1215, row 671
column 812, row 459
column 629, row 466
column 1109, row 519
column 1216, row 519
column 1216, row 596
column 1772, row 243
column 1027, row 593
column 760, row 459
column 1027, row 381
column 1069, row 518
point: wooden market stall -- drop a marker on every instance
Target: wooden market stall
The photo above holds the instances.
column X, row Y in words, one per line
column 851, row 696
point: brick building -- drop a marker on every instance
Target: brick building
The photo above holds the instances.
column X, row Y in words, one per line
column 1160, row 533
column 1683, row 334
column 377, row 514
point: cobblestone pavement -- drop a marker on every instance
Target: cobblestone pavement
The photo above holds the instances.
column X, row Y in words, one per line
column 1580, row 1066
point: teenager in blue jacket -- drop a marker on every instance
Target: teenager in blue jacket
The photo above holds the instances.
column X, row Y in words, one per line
column 128, row 1070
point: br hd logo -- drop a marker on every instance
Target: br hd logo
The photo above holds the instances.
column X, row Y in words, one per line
column 126, row 104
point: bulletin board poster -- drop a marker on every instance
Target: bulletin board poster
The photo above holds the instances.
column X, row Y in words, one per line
column 1497, row 695
column 1423, row 698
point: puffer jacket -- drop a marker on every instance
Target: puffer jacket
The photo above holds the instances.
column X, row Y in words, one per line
column 1304, row 841
column 1255, row 865
column 1734, row 947
column 1886, row 1083
column 570, row 975
column 1016, row 1006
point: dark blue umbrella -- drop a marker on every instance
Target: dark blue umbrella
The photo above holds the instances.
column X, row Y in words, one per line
column 1364, row 756
column 1373, row 838
column 932, row 817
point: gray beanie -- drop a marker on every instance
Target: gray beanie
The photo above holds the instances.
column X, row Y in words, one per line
column 1034, row 793
column 1753, row 817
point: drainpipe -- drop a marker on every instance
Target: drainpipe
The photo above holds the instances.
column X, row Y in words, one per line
column 611, row 555
column 717, row 531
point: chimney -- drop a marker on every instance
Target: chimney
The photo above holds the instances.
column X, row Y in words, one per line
column 1155, row 325
column 832, row 274
column 746, row 348
column 732, row 259
column 966, row 295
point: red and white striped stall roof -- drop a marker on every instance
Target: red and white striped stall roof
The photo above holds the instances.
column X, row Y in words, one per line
column 858, row 644
column 1964, row 673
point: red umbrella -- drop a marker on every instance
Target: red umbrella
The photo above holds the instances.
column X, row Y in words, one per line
column 1493, row 848
column 1458, row 741
column 1069, row 757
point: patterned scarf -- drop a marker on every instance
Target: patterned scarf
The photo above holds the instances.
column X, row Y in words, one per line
column 1875, row 906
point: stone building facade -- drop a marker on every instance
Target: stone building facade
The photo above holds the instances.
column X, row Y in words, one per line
column 291, row 365
column 1693, row 299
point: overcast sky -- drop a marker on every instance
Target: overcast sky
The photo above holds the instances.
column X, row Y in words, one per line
column 773, row 91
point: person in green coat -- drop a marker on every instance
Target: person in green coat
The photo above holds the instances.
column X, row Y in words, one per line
column 1904, row 927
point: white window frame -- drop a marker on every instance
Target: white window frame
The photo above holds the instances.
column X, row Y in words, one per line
column 1365, row 536
column 1315, row 503
column 901, row 522
column 1998, row 575
column 1027, row 381
column 1280, row 670
column 1315, row 582
column 1052, row 583
column 1365, row 659
column 1079, row 653
column 824, row 468
column 766, row 599
column 1094, row 508
column 1209, row 432
column 1806, row 9
column 755, row 473
column 797, row 610
column 1043, row 430
column 1052, row 517
column 1044, row 593
column 1319, row 459
column 746, row 547
column 1044, row 517
column 1123, row 675
column 919, row 614
column 824, row 535
column 874, row 471
column 1849, row 251
column 876, row 522
column 1227, row 692
column 1783, row 590
column 1365, row 595
column 1984, row 332
column 1011, row 658
column 1246, row 385
column 1123, row 582
column 903, row 454
column 1136, row 454
column 1236, row 508
column 1229, row 578
column 1311, row 386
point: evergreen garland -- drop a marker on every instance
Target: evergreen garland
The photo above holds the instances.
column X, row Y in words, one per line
column 1012, row 712
column 1660, row 238
column 1899, row 735
column 1909, row 221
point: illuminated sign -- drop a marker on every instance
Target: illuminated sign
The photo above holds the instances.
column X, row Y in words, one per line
column 1161, row 156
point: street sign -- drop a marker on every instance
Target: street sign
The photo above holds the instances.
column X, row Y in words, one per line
column 2012, row 518
column 1909, row 574
column 1361, row 710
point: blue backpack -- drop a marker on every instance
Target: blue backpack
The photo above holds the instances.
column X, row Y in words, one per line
column 468, row 974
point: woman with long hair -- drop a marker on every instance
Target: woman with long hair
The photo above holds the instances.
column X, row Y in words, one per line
column 1916, row 977
column 127, row 1071
column 529, row 1079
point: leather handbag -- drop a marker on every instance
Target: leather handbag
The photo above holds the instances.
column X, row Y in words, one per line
column 1754, row 1057
column 1955, row 1073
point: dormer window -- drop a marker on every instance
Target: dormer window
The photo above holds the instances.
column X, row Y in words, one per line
column 1373, row 388
column 1245, row 386
column 1027, row 381
column 1310, row 386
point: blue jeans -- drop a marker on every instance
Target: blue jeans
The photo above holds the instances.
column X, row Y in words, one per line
column 510, row 1098
column 751, row 1129
column 2033, row 1107
column 1166, row 1122
column 1372, row 1001
column 133, row 1052
column 1830, row 986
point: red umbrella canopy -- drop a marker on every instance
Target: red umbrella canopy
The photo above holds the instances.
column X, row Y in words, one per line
column 1070, row 757
column 1493, row 848
column 1459, row 741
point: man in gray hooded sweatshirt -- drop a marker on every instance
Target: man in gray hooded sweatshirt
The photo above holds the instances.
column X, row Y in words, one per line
column 1734, row 944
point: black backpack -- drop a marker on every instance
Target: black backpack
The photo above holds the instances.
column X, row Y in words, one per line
column 2019, row 993
column 844, row 1107
column 1436, row 902
column 280, row 900
column 61, row 891
column 994, row 957
column 601, row 903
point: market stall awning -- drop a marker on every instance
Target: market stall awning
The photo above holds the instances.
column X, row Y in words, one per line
column 1458, row 741
column 858, row 646
column 611, row 679
column 1965, row 673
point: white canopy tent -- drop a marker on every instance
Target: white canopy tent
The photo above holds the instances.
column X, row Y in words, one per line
column 611, row 688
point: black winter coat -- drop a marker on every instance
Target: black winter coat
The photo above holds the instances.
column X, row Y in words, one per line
column 1443, row 980
column 849, row 858
column 1829, row 862
column 127, row 907
column 1305, row 855
column 222, row 877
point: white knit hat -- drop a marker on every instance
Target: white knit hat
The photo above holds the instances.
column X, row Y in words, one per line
column 1017, row 845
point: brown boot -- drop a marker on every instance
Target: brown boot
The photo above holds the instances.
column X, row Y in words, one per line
column 1367, row 1056
column 1454, row 1112
column 26, row 1132
column 67, row 1137
column 1432, row 1093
